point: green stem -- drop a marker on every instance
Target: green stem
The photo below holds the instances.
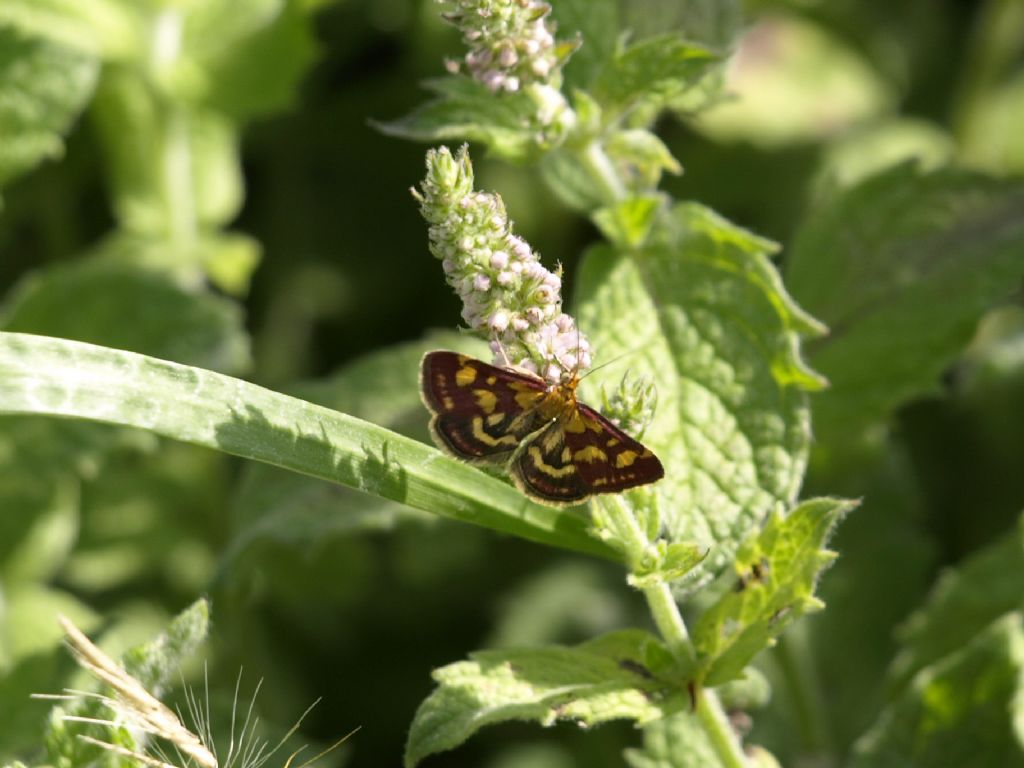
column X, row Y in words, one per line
column 601, row 170
column 176, row 147
column 669, row 621
column 712, row 716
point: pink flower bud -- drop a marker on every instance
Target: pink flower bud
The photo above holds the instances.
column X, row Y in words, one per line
column 498, row 322
column 506, row 279
column 482, row 283
column 507, row 58
column 499, row 259
column 519, row 324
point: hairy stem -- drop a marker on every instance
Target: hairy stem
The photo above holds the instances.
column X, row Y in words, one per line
column 669, row 621
column 601, row 170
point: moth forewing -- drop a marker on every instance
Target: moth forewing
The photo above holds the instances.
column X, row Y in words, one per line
column 562, row 451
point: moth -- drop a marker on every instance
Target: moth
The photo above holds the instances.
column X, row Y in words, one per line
column 559, row 450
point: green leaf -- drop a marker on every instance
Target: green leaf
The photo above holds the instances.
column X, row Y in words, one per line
column 467, row 111
column 175, row 167
column 777, row 570
column 602, row 23
column 966, row 710
column 987, row 585
column 43, row 513
column 96, row 27
column 702, row 312
column 711, row 23
column 597, row 24
column 103, row 300
column 43, row 88
column 154, row 664
column 682, row 741
column 284, row 506
column 260, row 71
column 657, row 69
column 600, row 680
column 627, row 224
column 643, row 155
column 159, row 661
column 64, row 378
column 28, row 622
column 665, row 562
column 793, row 82
column 901, row 267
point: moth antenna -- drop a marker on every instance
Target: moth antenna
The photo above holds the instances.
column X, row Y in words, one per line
column 504, row 355
column 605, row 365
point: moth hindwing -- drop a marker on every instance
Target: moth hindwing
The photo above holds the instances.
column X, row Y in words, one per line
column 559, row 450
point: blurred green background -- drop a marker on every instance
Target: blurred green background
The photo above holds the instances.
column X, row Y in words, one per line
column 322, row 592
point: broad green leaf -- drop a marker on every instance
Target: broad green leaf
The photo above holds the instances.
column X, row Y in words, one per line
column 794, row 81
column 987, row 585
column 119, row 304
column 600, row 680
column 175, row 168
column 710, row 23
column 643, row 157
column 628, row 223
column 777, row 571
column 32, row 658
column 601, row 24
column 657, row 69
column 467, row 110
column 261, row 72
column 28, row 621
column 270, row 502
column 901, row 267
column 702, row 312
column 108, row 28
column 965, row 710
column 597, row 24
column 57, row 377
column 42, row 510
column 43, row 88
column 21, row 717
column 681, row 741
column 42, row 466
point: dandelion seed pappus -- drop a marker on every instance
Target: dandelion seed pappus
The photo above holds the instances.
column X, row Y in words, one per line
column 559, row 451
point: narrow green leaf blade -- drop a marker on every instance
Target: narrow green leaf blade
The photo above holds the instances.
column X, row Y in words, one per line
column 285, row 506
column 600, row 680
column 966, row 711
column 56, row 377
column 901, row 267
column 702, row 312
column 778, row 570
